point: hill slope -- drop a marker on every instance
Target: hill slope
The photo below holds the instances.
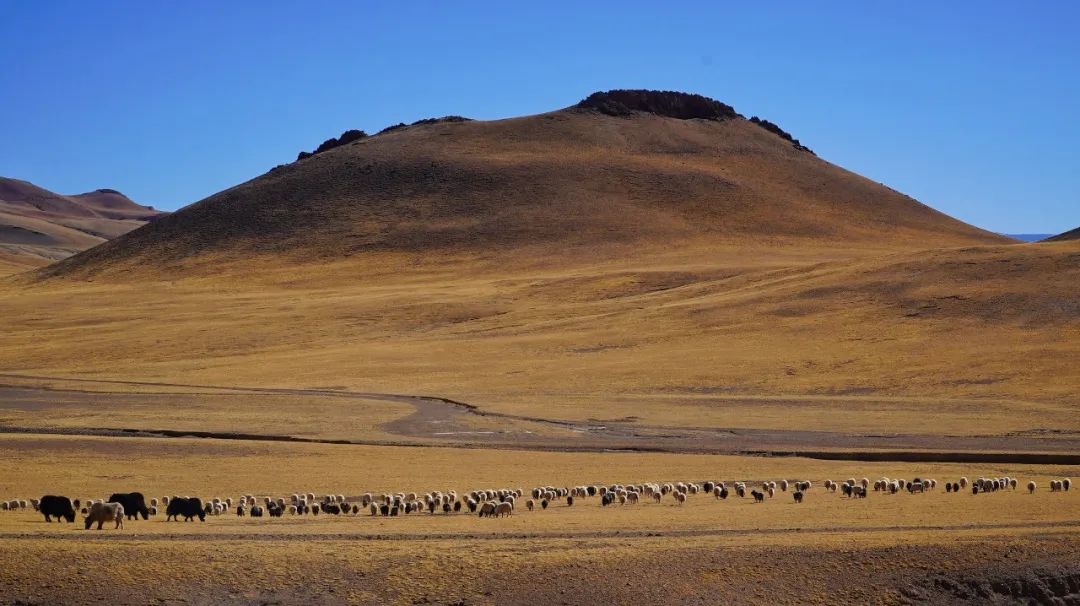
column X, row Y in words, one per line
column 610, row 176
column 38, row 226
column 1072, row 234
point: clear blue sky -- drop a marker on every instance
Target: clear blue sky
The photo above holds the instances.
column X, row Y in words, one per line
column 969, row 107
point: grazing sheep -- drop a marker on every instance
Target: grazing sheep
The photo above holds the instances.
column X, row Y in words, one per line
column 656, row 497
column 1066, row 484
column 783, row 485
column 570, row 500
column 544, row 503
column 680, row 498
column 758, row 496
column 504, row 509
column 963, row 482
column 798, row 495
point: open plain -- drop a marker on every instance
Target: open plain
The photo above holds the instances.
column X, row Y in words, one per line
column 583, row 297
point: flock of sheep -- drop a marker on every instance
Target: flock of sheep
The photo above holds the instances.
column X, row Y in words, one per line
column 494, row 503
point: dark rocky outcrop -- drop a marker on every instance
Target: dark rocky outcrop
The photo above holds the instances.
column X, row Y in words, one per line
column 684, row 106
column 346, row 137
column 783, row 134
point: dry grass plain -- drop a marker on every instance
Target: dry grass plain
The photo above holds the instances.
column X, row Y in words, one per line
column 881, row 351
column 882, row 549
column 558, row 299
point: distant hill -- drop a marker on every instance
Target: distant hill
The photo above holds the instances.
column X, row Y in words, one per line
column 1028, row 237
column 621, row 173
column 1072, row 234
column 38, row 226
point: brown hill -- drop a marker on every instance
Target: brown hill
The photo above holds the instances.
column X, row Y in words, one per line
column 38, row 226
column 625, row 172
column 1072, row 234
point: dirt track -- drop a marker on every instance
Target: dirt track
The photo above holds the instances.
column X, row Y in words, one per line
column 441, row 421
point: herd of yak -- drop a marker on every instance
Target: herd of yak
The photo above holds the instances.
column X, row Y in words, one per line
column 485, row 503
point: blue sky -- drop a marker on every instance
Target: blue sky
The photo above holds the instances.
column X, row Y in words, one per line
column 969, row 107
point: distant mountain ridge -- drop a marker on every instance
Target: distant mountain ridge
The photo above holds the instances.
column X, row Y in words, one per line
column 38, row 226
column 1029, row 237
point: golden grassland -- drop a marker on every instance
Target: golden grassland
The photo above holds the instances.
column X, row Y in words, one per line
column 92, row 466
column 776, row 551
column 899, row 342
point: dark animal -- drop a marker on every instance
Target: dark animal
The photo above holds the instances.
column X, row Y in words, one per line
column 58, row 507
column 591, row 490
column 240, row 511
column 134, row 504
column 723, row 493
column 758, row 496
column 457, row 506
column 544, row 503
column 384, row 509
column 798, row 496
column 188, row 509
column 330, row 508
column 569, row 501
